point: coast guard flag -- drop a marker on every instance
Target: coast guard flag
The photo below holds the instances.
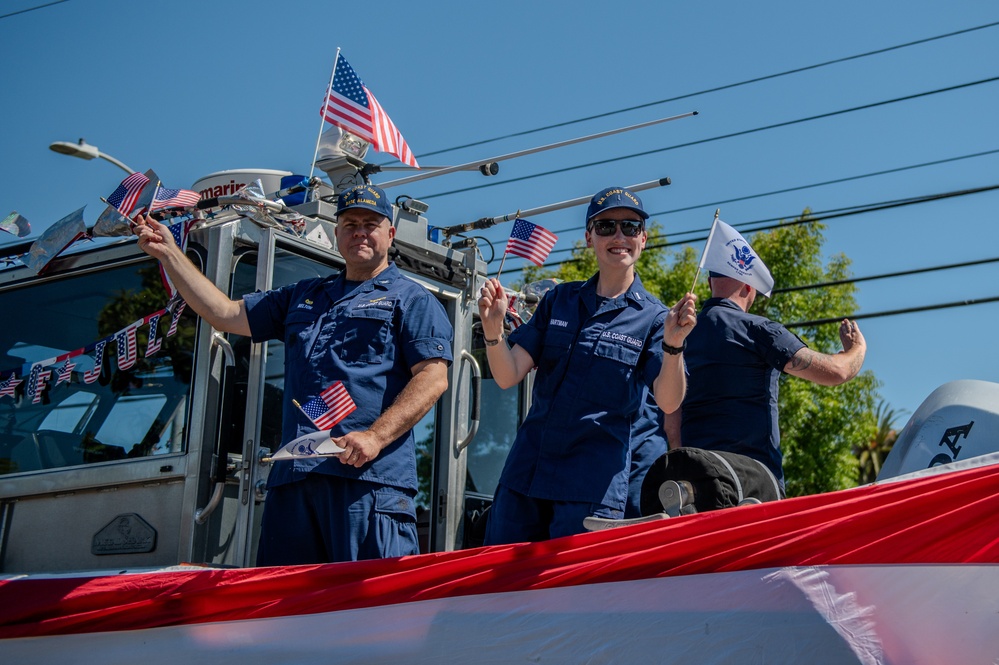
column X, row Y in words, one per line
column 728, row 253
column 331, row 406
column 351, row 106
column 530, row 241
column 313, row 444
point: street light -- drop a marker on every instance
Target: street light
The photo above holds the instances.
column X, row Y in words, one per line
column 84, row 150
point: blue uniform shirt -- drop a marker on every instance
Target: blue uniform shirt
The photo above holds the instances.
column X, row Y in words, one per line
column 593, row 363
column 648, row 443
column 369, row 337
column 734, row 360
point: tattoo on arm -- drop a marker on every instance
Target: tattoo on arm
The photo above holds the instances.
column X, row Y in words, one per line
column 802, row 360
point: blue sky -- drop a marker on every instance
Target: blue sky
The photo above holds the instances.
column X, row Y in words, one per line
column 189, row 88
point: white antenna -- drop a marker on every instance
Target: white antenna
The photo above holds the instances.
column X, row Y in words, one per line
column 551, row 146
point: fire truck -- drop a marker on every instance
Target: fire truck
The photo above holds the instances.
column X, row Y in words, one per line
column 151, row 450
column 134, row 437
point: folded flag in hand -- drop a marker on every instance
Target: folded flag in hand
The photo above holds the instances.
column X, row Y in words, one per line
column 313, row 444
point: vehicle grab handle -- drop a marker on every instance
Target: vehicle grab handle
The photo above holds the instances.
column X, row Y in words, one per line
column 473, row 427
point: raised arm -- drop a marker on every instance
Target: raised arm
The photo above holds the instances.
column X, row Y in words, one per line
column 831, row 370
column 197, row 290
column 508, row 365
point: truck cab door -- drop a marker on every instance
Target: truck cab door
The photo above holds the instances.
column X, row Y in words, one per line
column 251, row 394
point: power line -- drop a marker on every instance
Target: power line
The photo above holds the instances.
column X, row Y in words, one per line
column 716, row 89
column 777, row 222
column 836, row 181
column 31, row 9
column 893, row 312
column 713, row 204
column 744, row 132
column 886, row 275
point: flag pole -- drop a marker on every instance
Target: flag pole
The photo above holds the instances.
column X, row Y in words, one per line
column 152, row 201
column 295, row 402
column 704, row 252
column 489, row 222
column 502, row 261
column 322, row 121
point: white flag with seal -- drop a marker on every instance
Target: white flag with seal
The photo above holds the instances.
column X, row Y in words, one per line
column 728, row 253
column 307, row 446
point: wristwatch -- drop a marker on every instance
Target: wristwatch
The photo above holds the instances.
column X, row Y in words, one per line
column 674, row 350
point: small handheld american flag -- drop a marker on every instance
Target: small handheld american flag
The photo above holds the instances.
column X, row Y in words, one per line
column 530, row 241
column 331, row 406
column 125, row 196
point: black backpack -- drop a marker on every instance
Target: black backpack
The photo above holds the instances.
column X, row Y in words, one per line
column 718, row 480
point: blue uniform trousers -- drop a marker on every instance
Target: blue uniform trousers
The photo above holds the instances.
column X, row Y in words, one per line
column 301, row 519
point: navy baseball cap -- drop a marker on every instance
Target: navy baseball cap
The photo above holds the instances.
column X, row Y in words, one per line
column 614, row 197
column 368, row 197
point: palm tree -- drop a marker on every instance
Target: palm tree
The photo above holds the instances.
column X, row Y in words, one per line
column 873, row 455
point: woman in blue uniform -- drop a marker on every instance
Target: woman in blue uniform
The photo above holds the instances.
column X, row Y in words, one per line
column 596, row 345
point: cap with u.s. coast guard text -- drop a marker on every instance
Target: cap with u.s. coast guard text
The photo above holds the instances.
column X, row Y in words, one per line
column 367, row 197
column 614, row 197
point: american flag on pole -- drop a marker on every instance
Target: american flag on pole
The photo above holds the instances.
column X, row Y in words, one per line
column 174, row 198
column 124, row 198
column 331, row 406
column 352, row 107
column 530, row 241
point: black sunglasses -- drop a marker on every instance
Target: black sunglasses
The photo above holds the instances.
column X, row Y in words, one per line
column 607, row 227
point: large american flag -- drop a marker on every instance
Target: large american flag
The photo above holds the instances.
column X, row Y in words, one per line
column 123, row 198
column 530, row 241
column 179, row 198
column 352, row 107
column 332, row 406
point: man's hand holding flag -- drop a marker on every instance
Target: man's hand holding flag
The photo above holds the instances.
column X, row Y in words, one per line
column 324, row 411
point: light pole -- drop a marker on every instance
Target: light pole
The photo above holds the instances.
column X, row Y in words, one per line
column 84, row 150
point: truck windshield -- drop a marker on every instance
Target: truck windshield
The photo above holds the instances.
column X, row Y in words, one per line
column 77, row 390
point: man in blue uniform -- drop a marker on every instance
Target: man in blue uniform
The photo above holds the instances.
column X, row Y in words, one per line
column 734, row 360
column 597, row 346
column 386, row 338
